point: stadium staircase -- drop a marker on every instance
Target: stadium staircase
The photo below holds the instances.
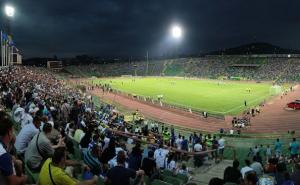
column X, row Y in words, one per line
column 209, row 170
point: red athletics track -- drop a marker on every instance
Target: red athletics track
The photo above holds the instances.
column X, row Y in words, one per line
column 273, row 117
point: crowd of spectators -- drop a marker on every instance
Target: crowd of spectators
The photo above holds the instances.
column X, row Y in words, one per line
column 275, row 69
column 60, row 132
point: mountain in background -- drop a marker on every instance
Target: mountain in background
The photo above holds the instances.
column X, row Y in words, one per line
column 255, row 48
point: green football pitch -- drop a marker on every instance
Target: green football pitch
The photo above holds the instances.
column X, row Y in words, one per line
column 212, row 96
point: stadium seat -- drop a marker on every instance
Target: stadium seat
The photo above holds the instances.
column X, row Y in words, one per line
column 168, row 173
column 172, row 180
column 147, row 180
column 182, row 177
column 159, row 182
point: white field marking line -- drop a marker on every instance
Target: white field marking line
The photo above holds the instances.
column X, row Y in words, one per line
column 230, row 110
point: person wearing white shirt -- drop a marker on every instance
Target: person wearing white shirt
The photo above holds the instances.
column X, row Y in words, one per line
column 198, row 147
column 160, row 156
column 221, row 143
column 178, row 142
column 171, row 163
column 246, row 169
column 26, row 134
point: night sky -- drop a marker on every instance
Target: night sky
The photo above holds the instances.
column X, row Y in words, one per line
column 131, row 27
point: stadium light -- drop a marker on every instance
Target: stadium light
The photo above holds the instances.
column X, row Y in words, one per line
column 9, row 10
column 176, row 31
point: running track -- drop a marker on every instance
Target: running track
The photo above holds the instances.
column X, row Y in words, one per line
column 273, row 116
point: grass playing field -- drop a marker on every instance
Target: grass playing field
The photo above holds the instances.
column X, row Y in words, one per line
column 213, row 96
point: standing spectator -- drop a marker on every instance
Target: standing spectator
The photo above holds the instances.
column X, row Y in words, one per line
column 149, row 164
column 198, row 158
column 119, row 175
column 221, row 143
column 178, row 142
column 294, row 148
column 232, row 173
column 160, row 156
column 26, row 134
column 7, row 175
column 135, row 158
column 268, row 152
column 65, row 110
column 278, row 148
column 184, row 144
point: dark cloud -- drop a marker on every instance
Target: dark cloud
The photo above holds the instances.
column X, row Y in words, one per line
column 131, row 27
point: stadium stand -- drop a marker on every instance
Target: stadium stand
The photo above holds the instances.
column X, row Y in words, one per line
column 244, row 67
column 99, row 140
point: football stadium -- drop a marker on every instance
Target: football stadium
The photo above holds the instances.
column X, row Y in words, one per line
column 102, row 93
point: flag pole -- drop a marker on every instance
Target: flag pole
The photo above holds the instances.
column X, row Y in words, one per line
column 1, row 50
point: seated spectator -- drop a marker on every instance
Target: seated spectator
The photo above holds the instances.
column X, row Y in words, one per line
column 246, row 169
column 287, row 179
column 183, row 170
column 40, row 148
column 295, row 176
column 91, row 158
column 7, row 174
column 250, row 178
column 160, row 155
column 119, row 175
column 149, row 164
column 232, row 173
column 256, row 166
column 26, row 134
column 52, row 171
column 216, row 181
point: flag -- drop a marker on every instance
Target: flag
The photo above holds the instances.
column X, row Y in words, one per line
column 10, row 40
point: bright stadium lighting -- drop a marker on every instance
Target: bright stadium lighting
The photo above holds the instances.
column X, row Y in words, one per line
column 176, row 31
column 9, row 10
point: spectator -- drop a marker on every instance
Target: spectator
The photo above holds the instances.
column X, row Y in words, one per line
column 26, row 134
column 233, row 174
column 295, row 177
column 65, row 110
column 135, row 158
column 40, row 149
column 287, row 179
column 149, row 164
column 91, row 159
column 160, row 156
column 52, row 171
column 294, row 148
column 250, row 179
column 109, row 152
column 278, row 148
column 216, row 181
column 119, row 175
column 256, row 166
column 221, row 143
column 7, row 175
column 246, row 169
column 171, row 163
